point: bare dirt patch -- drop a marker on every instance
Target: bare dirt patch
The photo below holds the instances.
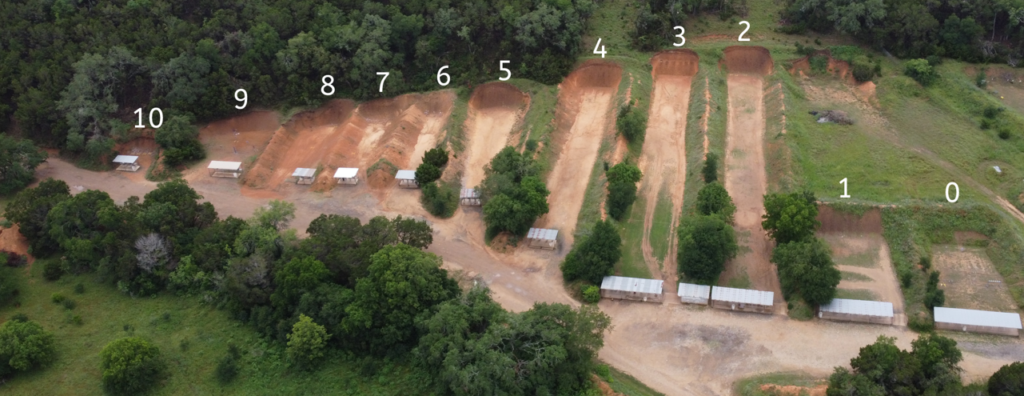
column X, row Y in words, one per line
column 11, row 240
column 663, row 160
column 970, row 280
column 745, row 177
column 866, row 254
column 238, row 138
column 583, row 119
column 494, row 110
column 835, row 221
column 146, row 149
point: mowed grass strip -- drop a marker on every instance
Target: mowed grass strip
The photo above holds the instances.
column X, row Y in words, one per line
column 855, row 277
column 192, row 338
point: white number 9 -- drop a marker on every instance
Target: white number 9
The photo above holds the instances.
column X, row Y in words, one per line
column 244, row 98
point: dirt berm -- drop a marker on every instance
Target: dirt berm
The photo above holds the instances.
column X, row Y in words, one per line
column 748, row 60
column 494, row 111
column 833, row 220
column 680, row 62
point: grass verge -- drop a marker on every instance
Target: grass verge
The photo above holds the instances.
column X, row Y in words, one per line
column 752, row 386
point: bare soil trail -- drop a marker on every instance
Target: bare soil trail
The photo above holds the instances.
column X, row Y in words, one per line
column 494, row 110
column 583, row 119
column 675, row 349
column 663, row 160
column 745, row 176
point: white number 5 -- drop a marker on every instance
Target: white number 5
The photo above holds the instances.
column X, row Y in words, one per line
column 508, row 73
column 682, row 40
column 744, row 31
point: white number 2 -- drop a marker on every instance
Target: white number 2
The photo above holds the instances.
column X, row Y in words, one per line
column 682, row 40
column 602, row 52
column 385, row 74
column 744, row 30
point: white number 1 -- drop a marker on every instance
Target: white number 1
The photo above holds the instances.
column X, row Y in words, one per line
column 846, row 185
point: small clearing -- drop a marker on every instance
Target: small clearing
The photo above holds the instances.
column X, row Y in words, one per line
column 970, row 280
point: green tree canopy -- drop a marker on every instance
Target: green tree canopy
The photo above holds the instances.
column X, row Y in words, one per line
column 517, row 211
column 712, row 199
column 790, row 217
column 18, row 161
column 29, row 209
column 306, row 343
column 710, row 169
column 297, row 277
column 882, row 368
column 594, row 257
column 24, row 345
column 1008, row 381
column 705, row 243
column 131, row 366
column 403, row 283
column 806, row 269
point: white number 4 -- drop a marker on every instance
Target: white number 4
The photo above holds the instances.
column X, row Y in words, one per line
column 602, row 52
column 385, row 74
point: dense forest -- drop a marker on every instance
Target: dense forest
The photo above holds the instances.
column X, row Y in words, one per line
column 74, row 72
column 366, row 289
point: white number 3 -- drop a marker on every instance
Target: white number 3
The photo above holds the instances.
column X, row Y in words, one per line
column 682, row 40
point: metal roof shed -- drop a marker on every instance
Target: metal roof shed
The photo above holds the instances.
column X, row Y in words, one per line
column 694, row 294
column 407, row 179
column 742, row 300
column 225, row 169
column 638, row 289
column 127, row 163
column 975, row 321
column 304, row 175
column 542, row 238
column 347, row 175
column 841, row 309
column 469, row 197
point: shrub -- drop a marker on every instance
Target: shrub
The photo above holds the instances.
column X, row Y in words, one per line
column 1008, row 381
column 593, row 258
column 710, row 170
column 926, row 263
column 440, row 200
column 24, row 345
column 985, row 124
column 790, row 217
column 1004, row 133
column 620, row 196
column 76, row 320
column 227, row 366
column 934, row 298
column 19, row 317
column 991, row 111
column 863, row 71
column 631, row 124
column 981, row 79
column 531, row 146
column 819, row 64
column 53, row 270
column 306, row 343
column 57, row 298
column 8, row 285
column 427, row 173
column 79, row 288
column 68, row 304
column 436, row 156
column 934, row 60
column 806, row 268
column 130, row 366
column 705, row 243
column 921, row 71
column 591, row 294
column 712, row 199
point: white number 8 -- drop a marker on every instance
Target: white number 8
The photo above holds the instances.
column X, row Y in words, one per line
column 327, row 84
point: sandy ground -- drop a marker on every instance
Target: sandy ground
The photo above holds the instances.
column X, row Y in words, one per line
column 970, row 280
column 494, row 110
column 238, row 139
column 883, row 284
column 663, row 160
column 585, row 117
column 145, row 148
column 746, row 181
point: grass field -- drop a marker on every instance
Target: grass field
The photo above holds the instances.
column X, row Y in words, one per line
column 853, row 276
column 752, row 386
column 856, row 294
column 192, row 337
column 627, row 385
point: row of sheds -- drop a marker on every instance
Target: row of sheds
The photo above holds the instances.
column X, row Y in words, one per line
column 650, row 290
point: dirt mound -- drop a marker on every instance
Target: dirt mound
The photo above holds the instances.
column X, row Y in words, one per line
column 681, row 62
column 748, row 60
column 594, row 74
column 237, row 138
column 386, row 109
column 835, row 67
column 835, row 221
column 497, row 94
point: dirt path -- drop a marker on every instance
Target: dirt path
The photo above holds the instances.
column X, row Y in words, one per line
column 583, row 119
column 494, row 110
column 663, row 160
column 746, row 181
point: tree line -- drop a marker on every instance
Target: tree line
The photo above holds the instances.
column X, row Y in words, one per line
column 75, row 71
column 367, row 289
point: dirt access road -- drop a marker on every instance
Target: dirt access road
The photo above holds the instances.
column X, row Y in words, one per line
column 663, row 160
column 494, row 110
column 745, row 177
column 585, row 116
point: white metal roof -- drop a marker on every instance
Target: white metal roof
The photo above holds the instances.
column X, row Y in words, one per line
column 126, row 159
column 345, row 173
column 542, row 234
column 1010, row 320
column 695, row 291
column 858, row 307
column 406, row 175
column 225, row 165
column 621, row 283
column 304, row 172
column 469, row 193
column 742, row 296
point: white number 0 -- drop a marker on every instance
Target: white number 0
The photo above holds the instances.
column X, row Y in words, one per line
column 385, row 74
column 957, row 197
column 447, row 78
column 744, row 30
column 508, row 73
column 682, row 40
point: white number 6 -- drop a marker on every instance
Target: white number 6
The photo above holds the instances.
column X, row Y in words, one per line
column 682, row 40
column 447, row 78
column 744, row 30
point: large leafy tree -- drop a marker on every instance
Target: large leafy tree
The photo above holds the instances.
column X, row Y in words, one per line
column 345, row 246
column 403, row 284
column 131, row 366
column 713, row 199
column 882, row 368
column 81, row 223
column 705, row 243
column 516, row 211
column 594, row 258
column 622, row 179
column 173, row 209
column 297, row 277
column 18, row 161
column 24, row 345
column 790, row 217
column 1008, row 381
column 306, row 343
column 29, row 209
column 806, row 269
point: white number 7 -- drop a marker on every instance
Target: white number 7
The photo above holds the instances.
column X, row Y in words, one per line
column 385, row 74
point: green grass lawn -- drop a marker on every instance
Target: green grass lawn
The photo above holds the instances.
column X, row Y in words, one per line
column 856, row 294
column 192, row 337
column 627, row 385
column 631, row 228
column 853, row 276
